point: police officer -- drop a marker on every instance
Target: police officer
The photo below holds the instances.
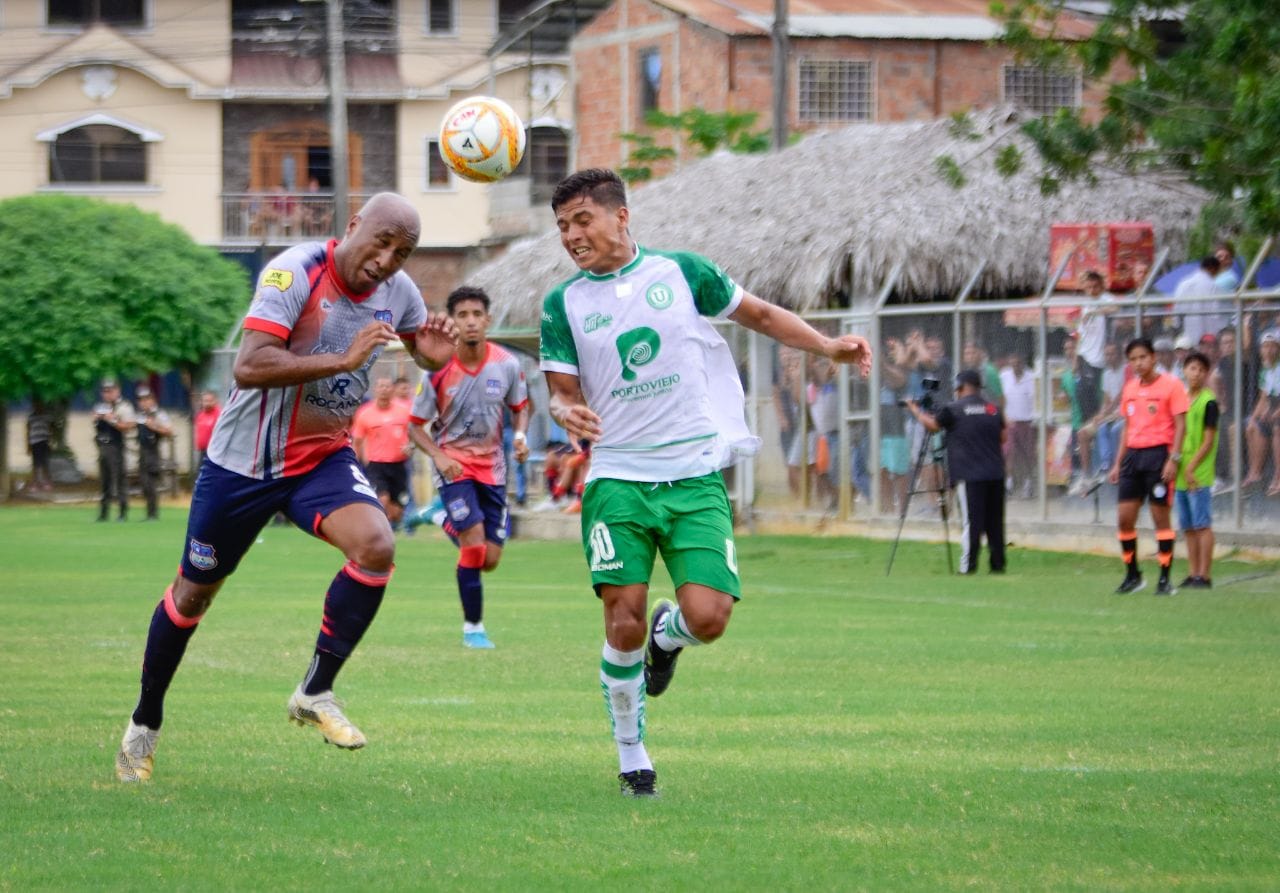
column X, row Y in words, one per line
column 153, row 426
column 975, row 440
column 113, row 417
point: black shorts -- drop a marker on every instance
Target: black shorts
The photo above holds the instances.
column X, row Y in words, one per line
column 1141, row 476
column 391, row 478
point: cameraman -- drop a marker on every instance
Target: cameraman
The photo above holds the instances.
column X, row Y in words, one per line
column 976, row 433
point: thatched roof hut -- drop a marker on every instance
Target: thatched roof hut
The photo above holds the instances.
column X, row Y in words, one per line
column 832, row 215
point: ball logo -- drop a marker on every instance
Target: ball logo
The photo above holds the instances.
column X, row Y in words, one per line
column 660, row 296
column 637, row 347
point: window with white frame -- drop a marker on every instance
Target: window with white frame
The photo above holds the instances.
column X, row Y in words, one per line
column 438, row 174
column 1040, row 90
column 835, row 91
column 440, row 18
column 82, row 13
column 98, row 153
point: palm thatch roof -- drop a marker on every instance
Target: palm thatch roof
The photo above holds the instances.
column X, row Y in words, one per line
column 832, row 215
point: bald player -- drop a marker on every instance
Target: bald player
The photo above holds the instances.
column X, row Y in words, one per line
column 320, row 317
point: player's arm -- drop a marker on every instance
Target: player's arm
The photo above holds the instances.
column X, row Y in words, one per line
column 264, row 361
column 520, row 432
column 448, row 467
column 569, row 408
column 782, row 325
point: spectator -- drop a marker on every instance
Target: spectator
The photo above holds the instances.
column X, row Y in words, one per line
column 1228, row 279
column 895, row 459
column 39, row 437
column 1199, row 316
column 975, row 357
column 1019, row 387
column 153, row 427
column 1223, row 385
column 1103, row 430
column 1264, row 421
column 1166, row 360
column 1195, row 473
column 1079, row 389
column 1091, row 335
column 206, row 418
column 113, row 418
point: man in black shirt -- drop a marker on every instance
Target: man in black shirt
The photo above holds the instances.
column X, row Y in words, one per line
column 975, row 440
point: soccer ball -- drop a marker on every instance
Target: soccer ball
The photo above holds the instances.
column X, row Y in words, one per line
column 482, row 139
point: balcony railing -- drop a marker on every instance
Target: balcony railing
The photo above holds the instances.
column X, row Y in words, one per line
column 281, row 218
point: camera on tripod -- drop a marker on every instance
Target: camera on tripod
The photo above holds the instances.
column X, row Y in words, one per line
column 929, row 386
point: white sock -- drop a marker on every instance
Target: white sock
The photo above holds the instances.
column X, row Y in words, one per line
column 622, row 682
column 674, row 633
column 472, row 627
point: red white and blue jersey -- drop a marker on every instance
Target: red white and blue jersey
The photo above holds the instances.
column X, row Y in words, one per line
column 464, row 407
column 268, row 433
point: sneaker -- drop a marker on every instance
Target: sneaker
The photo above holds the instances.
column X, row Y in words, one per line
column 573, row 508
column 659, row 665
column 1164, row 587
column 324, row 711
column 1132, row 583
column 639, row 783
column 137, row 753
column 550, row 504
column 1188, row 583
column 477, row 640
column 431, row 514
column 1077, row 487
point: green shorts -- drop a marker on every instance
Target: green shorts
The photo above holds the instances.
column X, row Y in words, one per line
column 624, row 523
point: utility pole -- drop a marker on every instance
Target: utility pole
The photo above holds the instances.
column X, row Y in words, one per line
column 338, row 114
column 781, row 54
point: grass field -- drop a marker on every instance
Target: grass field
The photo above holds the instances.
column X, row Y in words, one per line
column 852, row 731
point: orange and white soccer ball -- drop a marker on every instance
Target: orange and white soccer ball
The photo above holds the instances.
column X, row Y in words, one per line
column 482, row 139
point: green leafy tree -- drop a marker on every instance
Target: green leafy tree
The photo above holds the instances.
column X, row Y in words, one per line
column 93, row 288
column 1204, row 97
column 706, row 131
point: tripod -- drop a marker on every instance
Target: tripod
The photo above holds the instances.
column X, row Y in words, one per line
column 939, row 456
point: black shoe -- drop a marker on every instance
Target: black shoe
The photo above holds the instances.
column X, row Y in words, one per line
column 659, row 665
column 1189, row 583
column 639, row 783
column 1164, row 587
column 1132, row 583
column 1205, row 583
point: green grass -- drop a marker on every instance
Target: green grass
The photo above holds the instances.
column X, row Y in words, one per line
column 852, row 731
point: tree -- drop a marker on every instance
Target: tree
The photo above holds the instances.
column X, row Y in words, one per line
column 92, row 289
column 1205, row 98
column 705, row 130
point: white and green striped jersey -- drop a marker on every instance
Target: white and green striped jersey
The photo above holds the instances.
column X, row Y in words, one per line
column 651, row 365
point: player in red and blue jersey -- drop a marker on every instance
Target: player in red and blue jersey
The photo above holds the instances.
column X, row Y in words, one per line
column 320, row 317
column 462, row 407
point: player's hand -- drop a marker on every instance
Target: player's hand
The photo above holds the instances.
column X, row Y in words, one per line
column 521, row 450
column 1114, row 475
column 435, row 339
column 376, row 334
column 853, row 349
column 451, row 470
column 1170, row 471
column 1192, row 483
column 582, row 424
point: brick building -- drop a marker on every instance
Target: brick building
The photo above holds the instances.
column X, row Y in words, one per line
column 851, row 61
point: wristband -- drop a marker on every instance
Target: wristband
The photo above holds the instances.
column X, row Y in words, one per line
column 520, row 436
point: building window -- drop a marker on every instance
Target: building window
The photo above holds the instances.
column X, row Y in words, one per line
column 438, row 174
column 440, row 16
column 650, row 81
column 82, row 13
column 1040, row 90
column 98, row 153
column 546, row 161
column 835, row 91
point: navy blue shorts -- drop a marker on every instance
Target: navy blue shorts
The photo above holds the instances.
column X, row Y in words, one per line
column 228, row 510
column 468, row 503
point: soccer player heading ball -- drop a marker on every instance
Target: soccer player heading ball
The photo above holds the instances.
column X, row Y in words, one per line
column 320, row 317
column 635, row 368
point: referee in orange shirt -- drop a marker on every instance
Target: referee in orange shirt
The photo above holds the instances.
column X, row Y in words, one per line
column 1154, row 408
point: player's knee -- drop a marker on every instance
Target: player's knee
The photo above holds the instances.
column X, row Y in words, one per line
column 708, row 621
column 375, row 551
column 627, row 631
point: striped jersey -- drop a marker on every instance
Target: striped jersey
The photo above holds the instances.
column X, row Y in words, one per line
column 464, row 408
column 651, row 365
column 268, row 433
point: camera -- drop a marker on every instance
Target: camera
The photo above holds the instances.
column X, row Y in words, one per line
column 929, row 386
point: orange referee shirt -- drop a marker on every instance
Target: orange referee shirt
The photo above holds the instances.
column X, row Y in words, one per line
column 1149, row 410
column 384, row 431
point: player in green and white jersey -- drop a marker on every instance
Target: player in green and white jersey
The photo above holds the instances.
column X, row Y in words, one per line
column 634, row 367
